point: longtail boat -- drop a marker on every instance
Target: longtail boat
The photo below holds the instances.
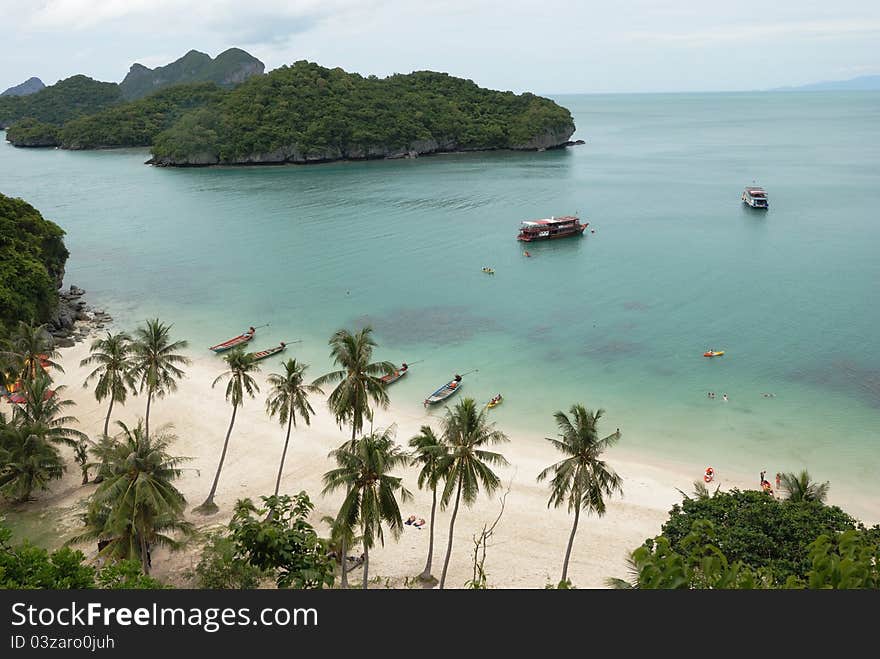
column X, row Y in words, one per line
column 263, row 354
column 395, row 375
column 444, row 392
column 241, row 339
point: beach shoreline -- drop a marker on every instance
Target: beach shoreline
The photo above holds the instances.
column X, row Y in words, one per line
column 525, row 552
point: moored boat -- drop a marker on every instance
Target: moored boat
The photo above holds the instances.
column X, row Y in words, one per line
column 263, row 354
column 445, row 391
column 756, row 197
column 241, row 339
column 396, row 374
column 549, row 229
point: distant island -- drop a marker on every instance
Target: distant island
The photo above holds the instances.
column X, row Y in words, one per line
column 862, row 83
column 29, row 86
column 80, row 95
column 229, row 68
column 226, row 112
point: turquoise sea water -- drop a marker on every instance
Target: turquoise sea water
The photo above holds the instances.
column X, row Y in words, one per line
column 618, row 319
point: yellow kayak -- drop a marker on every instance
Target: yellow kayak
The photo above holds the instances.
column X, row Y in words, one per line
column 495, row 402
column 713, row 353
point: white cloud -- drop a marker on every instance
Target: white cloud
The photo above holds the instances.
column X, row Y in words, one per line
column 760, row 30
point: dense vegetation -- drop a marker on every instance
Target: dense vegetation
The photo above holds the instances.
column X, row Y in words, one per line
column 31, row 132
column 308, row 112
column 743, row 540
column 297, row 113
column 135, row 123
column 32, row 258
column 36, row 119
column 65, row 100
column 25, row 566
column 849, row 560
column 758, row 529
column 229, row 67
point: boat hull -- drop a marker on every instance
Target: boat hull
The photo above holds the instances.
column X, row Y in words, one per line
column 265, row 354
column 231, row 343
column 393, row 377
column 442, row 394
column 527, row 238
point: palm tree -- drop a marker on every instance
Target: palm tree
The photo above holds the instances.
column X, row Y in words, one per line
column 370, row 497
column 429, row 452
column 81, row 458
column 30, row 347
column 113, row 359
column 582, row 479
column 289, row 395
column 137, row 505
column 27, row 462
column 241, row 365
column 43, row 411
column 467, row 466
column 359, row 380
column 801, row 487
column 156, row 362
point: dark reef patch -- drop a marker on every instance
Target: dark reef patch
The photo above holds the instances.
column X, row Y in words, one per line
column 432, row 325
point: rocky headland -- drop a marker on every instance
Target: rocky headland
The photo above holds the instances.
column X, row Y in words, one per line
column 74, row 320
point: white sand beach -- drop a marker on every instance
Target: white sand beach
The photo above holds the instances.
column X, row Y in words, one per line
column 525, row 552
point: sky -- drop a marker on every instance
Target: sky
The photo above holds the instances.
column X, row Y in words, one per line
column 544, row 46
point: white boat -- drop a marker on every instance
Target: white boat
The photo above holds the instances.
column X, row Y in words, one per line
column 755, row 196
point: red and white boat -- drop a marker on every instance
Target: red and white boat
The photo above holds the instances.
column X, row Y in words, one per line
column 548, row 229
column 241, row 339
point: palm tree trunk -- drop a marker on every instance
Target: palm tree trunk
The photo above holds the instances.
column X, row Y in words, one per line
column 145, row 564
column 209, row 506
column 343, row 579
column 283, row 455
column 366, row 565
column 147, row 417
column 451, row 531
column 107, row 420
column 426, row 573
column 574, row 528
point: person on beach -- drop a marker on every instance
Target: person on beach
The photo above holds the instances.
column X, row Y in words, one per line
column 410, row 520
column 778, row 480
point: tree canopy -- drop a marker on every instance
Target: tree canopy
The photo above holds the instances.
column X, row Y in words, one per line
column 67, row 99
column 32, row 258
column 309, row 112
column 758, row 530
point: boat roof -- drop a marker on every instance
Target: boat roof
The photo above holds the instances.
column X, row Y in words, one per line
column 754, row 188
column 549, row 221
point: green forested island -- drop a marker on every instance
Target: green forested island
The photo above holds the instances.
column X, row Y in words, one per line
column 299, row 113
column 79, row 96
column 308, row 113
column 67, row 99
column 32, row 258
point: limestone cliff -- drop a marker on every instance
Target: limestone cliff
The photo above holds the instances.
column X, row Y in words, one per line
column 229, row 68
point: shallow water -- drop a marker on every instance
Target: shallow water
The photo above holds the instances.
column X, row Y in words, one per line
column 618, row 319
